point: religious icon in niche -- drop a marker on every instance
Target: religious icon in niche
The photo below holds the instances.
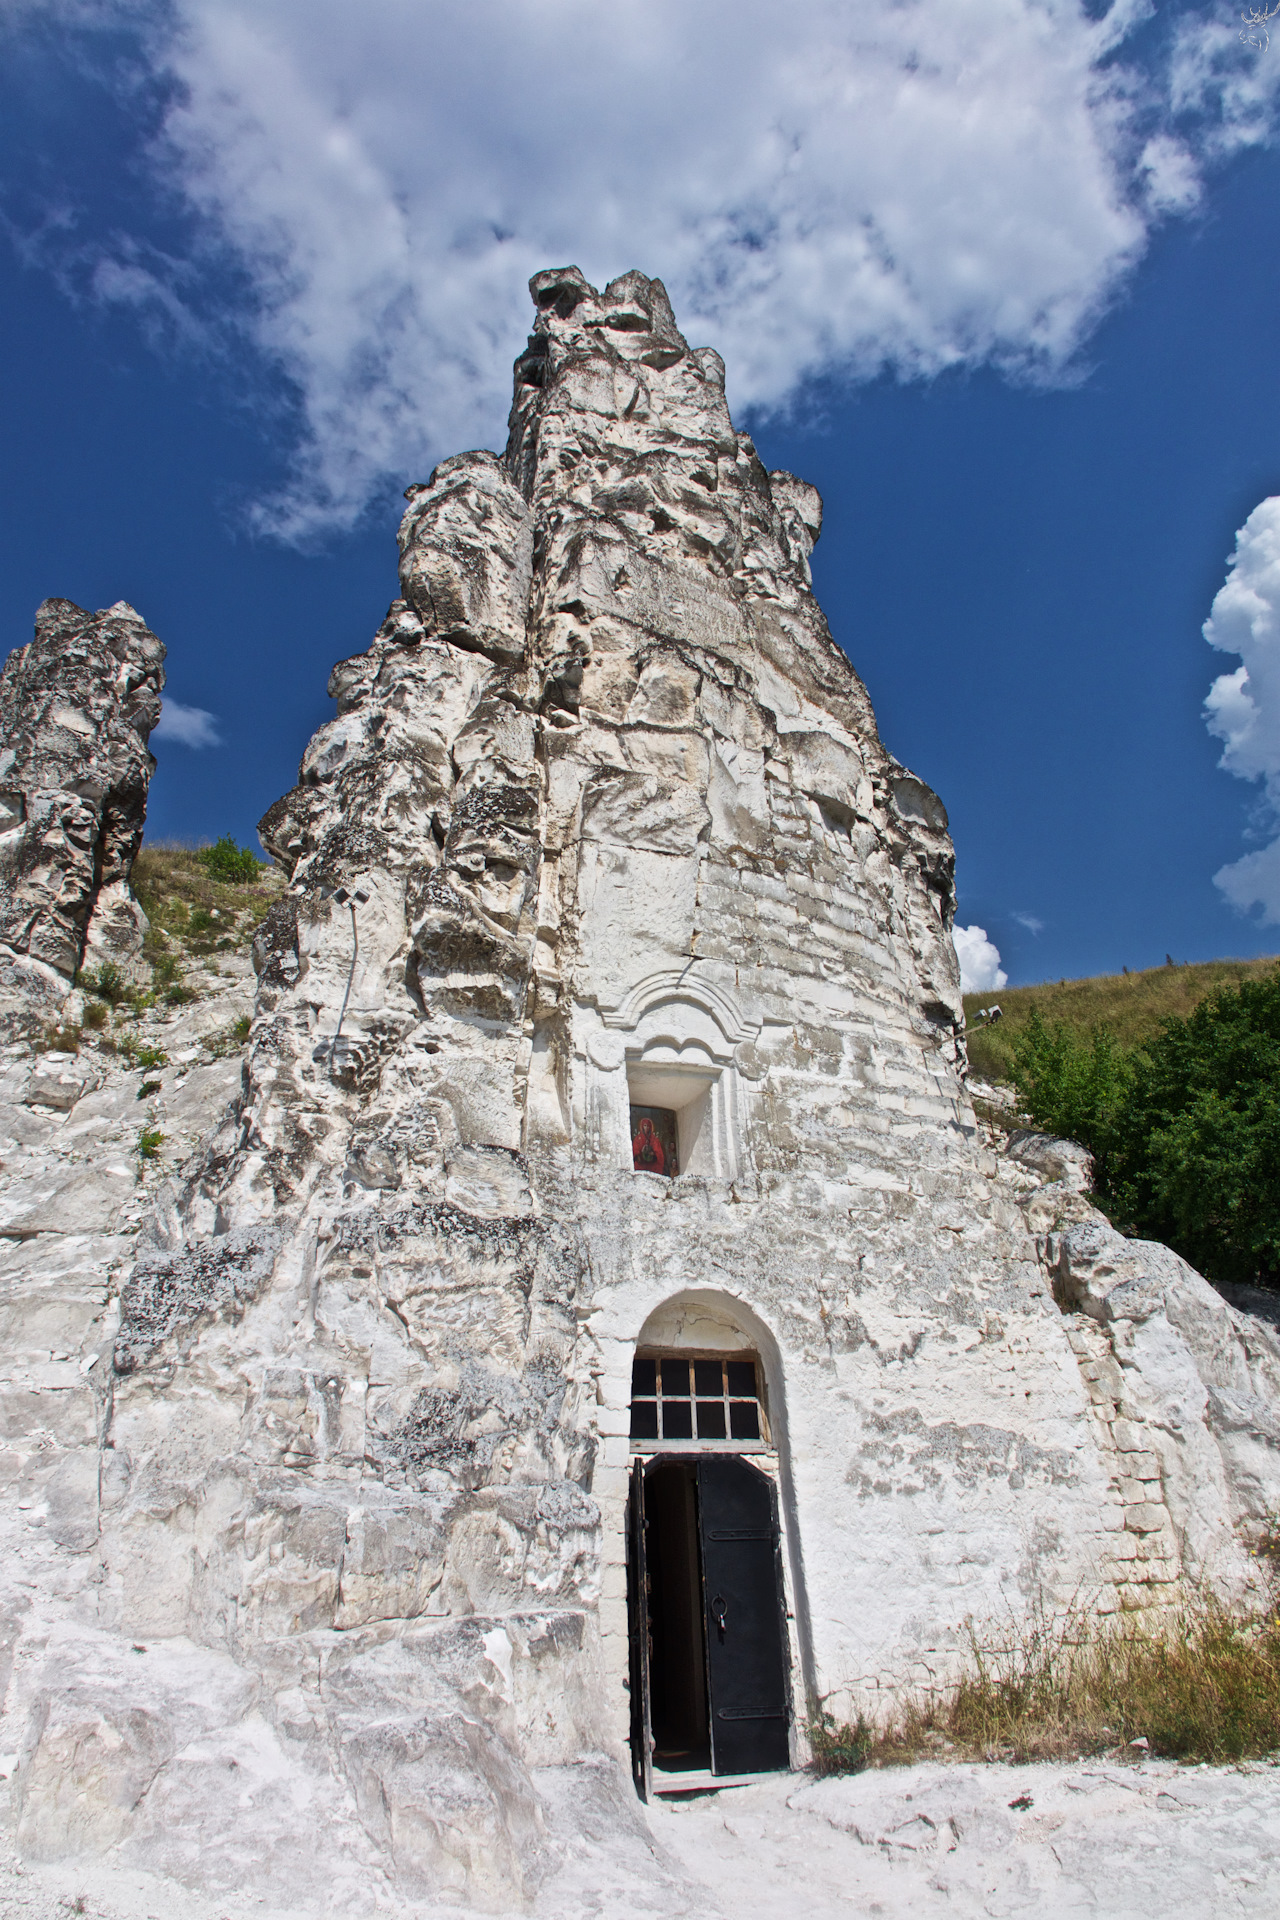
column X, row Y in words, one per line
column 653, row 1140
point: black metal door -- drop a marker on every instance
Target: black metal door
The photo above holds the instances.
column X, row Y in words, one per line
column 638, row 1623
column 741, row 1568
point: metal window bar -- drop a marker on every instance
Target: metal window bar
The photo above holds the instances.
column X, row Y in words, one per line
column 705, row 1397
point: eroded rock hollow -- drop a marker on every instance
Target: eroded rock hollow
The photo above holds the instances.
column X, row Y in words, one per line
column 603, row 1119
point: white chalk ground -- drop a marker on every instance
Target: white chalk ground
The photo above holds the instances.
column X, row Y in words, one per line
column 1115, row 1842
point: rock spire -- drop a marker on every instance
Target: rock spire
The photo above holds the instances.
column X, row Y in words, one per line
column 603, row 1157
column 77, row 705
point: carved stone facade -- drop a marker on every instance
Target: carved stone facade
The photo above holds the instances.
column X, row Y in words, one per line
column 603, row 823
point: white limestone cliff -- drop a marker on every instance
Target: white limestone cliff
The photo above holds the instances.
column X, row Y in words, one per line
column 77, row 705
column 332, row 1574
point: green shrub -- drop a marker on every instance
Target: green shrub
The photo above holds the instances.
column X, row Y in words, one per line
column 1072, row 1087
column 95, row 1015
column 1185, row 1130
column 139, row 1054
column 147, row 1088
column 179, row 996
column 150, row 1141
column 1195, row 1158
column 61, row 1040
column 107, row 982
column 241, row 1027
column 838, row 1747
column 224, row 860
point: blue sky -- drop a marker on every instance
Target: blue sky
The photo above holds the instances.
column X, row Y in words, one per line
column 1002, row 279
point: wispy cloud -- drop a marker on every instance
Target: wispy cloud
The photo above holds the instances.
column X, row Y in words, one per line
column 1032, row 922
column 187, row 726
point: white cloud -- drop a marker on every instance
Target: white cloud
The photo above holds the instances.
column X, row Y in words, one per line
column 1229, row 85
column 844, row 188
column 186, row 726
column 1031, row 921
column 1243, row 708
column 1170, row 175
column 854, row 186
column 980, row 969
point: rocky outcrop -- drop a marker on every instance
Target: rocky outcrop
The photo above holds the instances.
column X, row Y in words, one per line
column 1185, row 1386
column 602, row 821
column 77, row 705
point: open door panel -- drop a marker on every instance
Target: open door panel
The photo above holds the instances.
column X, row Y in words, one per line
column 746, row 1658
column 638, row 1625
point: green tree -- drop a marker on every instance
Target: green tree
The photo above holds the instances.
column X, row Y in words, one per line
column 1196, row 1150
column 225, row 861
column 1072, row 1087
column 1185, row 1131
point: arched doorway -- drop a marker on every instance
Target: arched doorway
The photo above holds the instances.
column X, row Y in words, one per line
column 710, row 1666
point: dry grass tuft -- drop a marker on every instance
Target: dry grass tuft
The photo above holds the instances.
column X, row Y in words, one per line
column 1201, row 1684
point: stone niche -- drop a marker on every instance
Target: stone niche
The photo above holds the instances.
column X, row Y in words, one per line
column 671, row 1043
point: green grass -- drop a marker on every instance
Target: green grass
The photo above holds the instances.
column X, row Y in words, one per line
column 1130, row 1006
column 195, row 912
column 139, row 1054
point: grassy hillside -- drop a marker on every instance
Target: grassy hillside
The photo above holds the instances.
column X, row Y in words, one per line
column 190, row 911
column 1130, row 1005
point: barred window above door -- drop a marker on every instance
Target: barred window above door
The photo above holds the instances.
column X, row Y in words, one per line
column 697, row 1398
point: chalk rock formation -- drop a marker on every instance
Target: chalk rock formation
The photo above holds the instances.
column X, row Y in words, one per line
column 602, row 828
column 77, row 705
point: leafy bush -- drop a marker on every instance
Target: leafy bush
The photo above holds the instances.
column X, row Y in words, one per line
column 1072, row 1087
column 224, row 860
column 838, row 1747
column 150, row 1141
column 228, row 1040
column 147, row 1088
column 1185, row 1131
column 107, row 982
column 1196, row 1148
column 139, row 1054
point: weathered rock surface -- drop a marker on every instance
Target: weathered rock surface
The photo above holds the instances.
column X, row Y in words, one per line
column 1099, row 1840
column 1187, row 1389
column 77, row 705
column 328, row 1567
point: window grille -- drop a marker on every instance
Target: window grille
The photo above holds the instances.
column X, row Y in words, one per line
column 696, row 1397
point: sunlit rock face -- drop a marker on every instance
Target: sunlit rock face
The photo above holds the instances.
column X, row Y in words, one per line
column 76, row 708
column 602, row 822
